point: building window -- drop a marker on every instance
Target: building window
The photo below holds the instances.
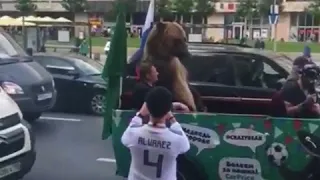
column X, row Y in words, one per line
column 256, row 21
column 293, row 19
column 302, row 19
column 309, row 20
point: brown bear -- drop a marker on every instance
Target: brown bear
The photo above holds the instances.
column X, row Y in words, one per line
column 166, row 48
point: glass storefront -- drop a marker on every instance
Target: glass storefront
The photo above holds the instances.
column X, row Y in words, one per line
column 304, row 27
column 256, row 28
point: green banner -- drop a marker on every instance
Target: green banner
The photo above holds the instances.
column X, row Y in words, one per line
column 238, row 147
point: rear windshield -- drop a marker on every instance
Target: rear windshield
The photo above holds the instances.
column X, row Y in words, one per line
column 9, row 46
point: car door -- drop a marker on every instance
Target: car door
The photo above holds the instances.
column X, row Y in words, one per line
column 64, row 80
column 212, row 76
column 255, row 91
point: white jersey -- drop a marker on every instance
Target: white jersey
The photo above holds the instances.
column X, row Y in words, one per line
column 154, row 150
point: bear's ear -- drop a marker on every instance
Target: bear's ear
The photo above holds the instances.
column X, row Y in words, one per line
column 161, row 27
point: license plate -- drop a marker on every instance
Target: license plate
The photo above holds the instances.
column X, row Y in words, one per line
column 10, row 169
column 44, row 96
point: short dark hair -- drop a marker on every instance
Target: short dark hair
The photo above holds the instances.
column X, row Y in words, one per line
column 159, row 101
column 145, row 69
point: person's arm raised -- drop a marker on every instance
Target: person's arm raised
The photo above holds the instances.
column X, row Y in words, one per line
column 136, row 121
column 183, row 141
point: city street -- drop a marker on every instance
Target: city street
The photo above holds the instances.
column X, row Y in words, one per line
column 69, row 146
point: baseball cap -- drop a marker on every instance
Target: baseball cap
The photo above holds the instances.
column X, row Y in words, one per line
column 301, row 61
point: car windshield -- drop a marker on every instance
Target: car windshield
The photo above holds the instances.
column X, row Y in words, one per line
column 88, row 66
column 284, row 61
column 9, row 46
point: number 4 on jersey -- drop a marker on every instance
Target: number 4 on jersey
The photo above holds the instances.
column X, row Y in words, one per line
column 157, row 165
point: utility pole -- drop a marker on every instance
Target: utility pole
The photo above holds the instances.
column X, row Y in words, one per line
column 275, row 31
column 273, row 21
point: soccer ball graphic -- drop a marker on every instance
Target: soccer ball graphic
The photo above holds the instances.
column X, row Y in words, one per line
column 277, row 153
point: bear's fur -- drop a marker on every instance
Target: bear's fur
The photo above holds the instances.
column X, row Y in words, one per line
column 166, row 47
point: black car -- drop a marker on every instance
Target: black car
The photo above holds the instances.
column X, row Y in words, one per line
column 78, row 81
column 230, row 79
column 28, row 83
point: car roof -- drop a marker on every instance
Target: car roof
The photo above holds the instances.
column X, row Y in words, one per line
column 55, row 54
column 208, row 49
column 67, row 56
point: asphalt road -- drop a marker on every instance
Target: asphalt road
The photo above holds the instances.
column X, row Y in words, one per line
column 69, row 147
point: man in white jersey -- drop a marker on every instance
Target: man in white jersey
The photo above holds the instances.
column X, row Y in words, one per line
column 154, row 147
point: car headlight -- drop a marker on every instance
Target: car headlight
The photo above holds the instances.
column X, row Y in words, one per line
column 11, row 88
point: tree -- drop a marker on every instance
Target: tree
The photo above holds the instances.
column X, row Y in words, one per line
column 204, row 7
column 163, row 8
column 247, row 9
column 75, row 6
column 314, row 9
column 26, row 7
column 130, row 7
column 183, row 7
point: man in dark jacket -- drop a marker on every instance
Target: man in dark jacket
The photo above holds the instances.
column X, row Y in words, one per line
column 148, row 76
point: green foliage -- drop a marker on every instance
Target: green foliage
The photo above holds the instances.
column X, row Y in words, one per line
column 128, row 5
column 205, row 7
column 248, row 8
column 183, row 6
column 25, row 6
column 314, row 8
column 75, row 5
column 163, row 8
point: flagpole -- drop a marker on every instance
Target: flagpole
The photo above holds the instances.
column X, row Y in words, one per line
column 121, row 78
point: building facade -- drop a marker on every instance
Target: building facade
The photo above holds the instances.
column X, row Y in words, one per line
column 294, row 23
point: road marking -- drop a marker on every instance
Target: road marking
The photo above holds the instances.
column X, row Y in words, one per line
column 59, row 119
column 109, row 160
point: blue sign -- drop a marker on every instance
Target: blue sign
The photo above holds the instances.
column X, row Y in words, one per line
column 273, row 18
column 274, row 14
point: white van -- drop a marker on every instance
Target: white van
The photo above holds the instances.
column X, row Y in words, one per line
column 17, row 153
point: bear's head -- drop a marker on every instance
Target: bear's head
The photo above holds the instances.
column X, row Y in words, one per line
column 166, row 47
column 167, row 39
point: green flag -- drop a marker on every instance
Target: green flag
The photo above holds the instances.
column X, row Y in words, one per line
column 114, row 68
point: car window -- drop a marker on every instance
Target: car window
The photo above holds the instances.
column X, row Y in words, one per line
column 97, row 65
column 256, row 72
column 211, row 68
column 85, row 67
column 269, row 70
column 9, row 46
column 53, row 61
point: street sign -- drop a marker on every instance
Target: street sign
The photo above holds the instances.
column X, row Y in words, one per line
column 274, row 14
column 273, row 19
column 274, row 9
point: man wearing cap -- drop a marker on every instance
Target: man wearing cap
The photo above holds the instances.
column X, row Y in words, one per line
column 299, row 95
column 300, row 62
